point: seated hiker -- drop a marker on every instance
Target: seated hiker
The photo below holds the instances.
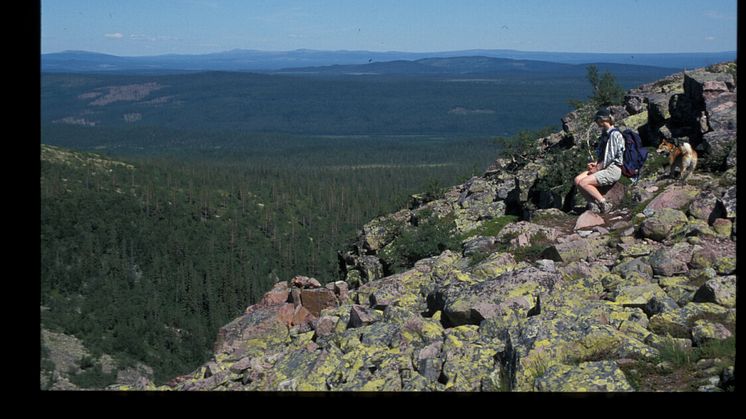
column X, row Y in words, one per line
column 608, row 168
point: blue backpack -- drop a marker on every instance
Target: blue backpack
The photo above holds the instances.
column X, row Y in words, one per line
column 634, row 153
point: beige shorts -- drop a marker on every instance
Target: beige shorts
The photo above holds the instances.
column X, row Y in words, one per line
column 608, row 175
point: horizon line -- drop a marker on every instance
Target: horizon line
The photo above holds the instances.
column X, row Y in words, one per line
column 389, row 52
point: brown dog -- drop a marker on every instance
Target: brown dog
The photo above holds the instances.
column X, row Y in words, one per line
column 681, row 156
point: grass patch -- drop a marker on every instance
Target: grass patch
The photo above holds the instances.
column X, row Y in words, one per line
column 723, row 349
column 678, row 355
column 494, row 226
column 431, row 237
column 477, row 257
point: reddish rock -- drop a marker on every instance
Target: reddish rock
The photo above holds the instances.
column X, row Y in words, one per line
column 316, row 300
column 285, row 314
column 614, row 193
column 588, row 219
column 302, row 317
column 341, row 289
column 361, row 316
column 258, row 322
column 675, row 197
column 301, row 281
column 240, row 366
column 277, row 295
column 325, row 326
column 295, row 294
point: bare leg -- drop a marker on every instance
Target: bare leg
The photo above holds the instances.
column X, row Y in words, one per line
column 589, row 185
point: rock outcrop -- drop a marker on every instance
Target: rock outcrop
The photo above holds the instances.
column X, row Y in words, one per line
column 550, row 303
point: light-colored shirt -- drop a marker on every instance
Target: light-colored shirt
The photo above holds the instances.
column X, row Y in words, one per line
column 614, row 150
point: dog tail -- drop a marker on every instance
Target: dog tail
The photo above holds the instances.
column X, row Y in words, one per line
column 686, row 147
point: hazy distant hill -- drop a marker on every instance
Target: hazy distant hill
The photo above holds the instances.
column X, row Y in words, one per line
column 456, row 96
column 245, row 60
column 475, row 65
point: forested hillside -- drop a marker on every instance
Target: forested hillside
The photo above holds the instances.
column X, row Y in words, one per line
column 144, row 260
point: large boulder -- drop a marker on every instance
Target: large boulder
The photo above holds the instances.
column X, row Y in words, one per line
column 515, row 291
column 634, row 267
column 579, row 249
column 402, row 289
column 705, row 331
column 315, row 300
column 634, row 103
column 716, row 146
column 664, row 223
column 648, row 297
column 720, row 290
column 522, row 233
column 670, row 261
column 261, row 330
column 702, row 85
column 705, row 206
column 721, row 112
column 658, row 111
column 677, row 323
column 674, row 196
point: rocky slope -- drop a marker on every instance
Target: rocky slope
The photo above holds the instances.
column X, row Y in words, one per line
column 642, row 298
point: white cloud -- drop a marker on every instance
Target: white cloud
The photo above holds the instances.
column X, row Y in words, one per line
column 710, row 38
column 143, row 37
column 115, row 35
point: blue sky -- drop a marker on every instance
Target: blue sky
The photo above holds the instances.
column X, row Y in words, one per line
column 149, row 27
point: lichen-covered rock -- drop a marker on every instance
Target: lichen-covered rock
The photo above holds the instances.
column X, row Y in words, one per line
column 402, row 289
column 468, row 360
column 515, row 291
column 602, row 376
column 479, row 244
column 257, row 331
column 705, row 207
column 681, row 294
column 705, row 331
column 382, row 230
column 362, row 316
column 638, row 296
column 522, row 233
column 677, row 322
column 635, row 248
column 634, row 266
column 670, row 261
column 723, row 227
column 580, row 249
column 495, row 265
column 720, row 290
column 664, row 223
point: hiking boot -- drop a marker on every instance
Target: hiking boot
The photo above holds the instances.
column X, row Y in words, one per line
column 605, row 206
column 593, row 206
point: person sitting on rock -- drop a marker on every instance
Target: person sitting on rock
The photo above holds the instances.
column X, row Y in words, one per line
column 608, row 168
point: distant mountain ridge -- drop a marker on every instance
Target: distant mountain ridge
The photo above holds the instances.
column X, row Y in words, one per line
column 253, row 60
column 467, row 65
